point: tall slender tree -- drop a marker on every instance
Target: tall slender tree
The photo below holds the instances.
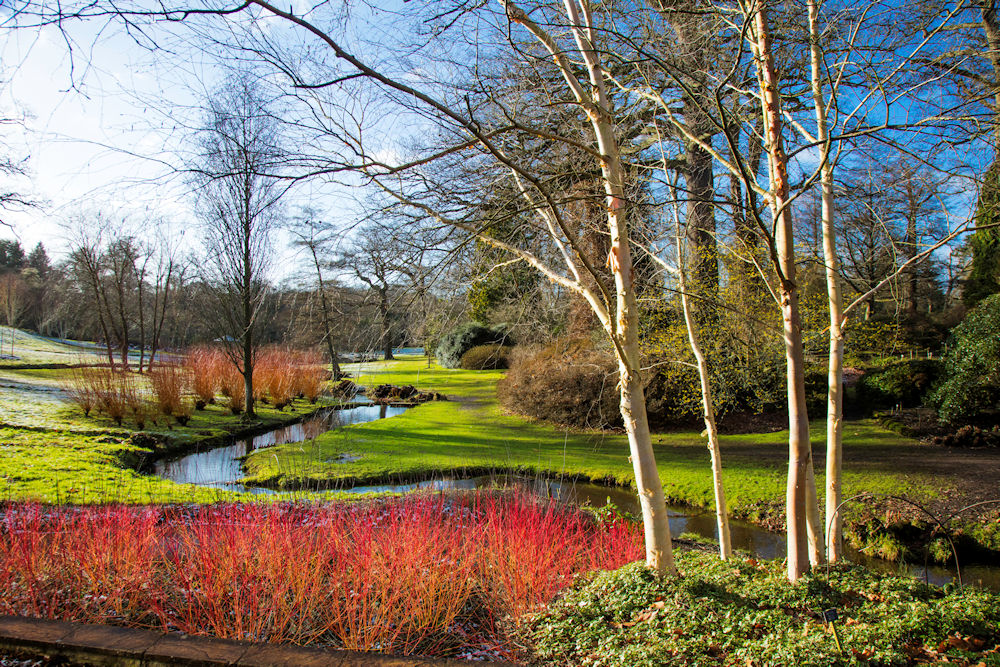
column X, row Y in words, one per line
column 239, row 194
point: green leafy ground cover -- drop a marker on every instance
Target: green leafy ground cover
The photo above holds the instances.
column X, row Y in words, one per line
column 744, row 612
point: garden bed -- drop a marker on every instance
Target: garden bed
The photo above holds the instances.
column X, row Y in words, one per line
column 423, row 574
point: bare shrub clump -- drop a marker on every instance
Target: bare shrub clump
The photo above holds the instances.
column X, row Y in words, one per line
column 169, row 382
column 486, row 358
column 310, row 374
column 275, row 376
column 207, row 366
column 231, row 387
column 112, row 391
column 567, row 382
column 81, row 390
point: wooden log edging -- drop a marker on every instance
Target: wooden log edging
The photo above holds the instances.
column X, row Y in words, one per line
column 80, row 643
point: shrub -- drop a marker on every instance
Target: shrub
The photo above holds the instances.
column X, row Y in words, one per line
column 904, row 383
column 114, row 393
column 81, row 390
column 970, row 383
column 426, row 573
column 169, row 383
column 231, row 386
column 566, row 382
column 109, row 390
column 207, row 366
column 274, row 375
column 747, row 376
column 309, row 374
column 970, row 436
column 456, row 343
column 485, row 358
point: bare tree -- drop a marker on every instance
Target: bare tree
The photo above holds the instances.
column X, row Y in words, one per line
column 239, row 195
column 13, row 301
column 314, row 234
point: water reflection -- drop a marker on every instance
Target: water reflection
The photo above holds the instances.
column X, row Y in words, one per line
column 222, row 468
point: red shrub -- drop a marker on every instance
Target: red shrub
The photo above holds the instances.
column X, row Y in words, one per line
column 275, row 375
column 423, row 573
column 309, row 374
column 231, row 386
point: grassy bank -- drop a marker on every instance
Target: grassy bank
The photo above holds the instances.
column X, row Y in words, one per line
column 472, row 433
column 51, row 452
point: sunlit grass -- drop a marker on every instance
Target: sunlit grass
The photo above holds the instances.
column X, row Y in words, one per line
column 472, row 433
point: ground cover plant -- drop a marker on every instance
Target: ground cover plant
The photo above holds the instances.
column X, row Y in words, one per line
column 423, row 573
column 743, row 612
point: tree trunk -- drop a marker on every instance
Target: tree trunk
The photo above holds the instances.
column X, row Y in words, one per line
column 652, row 503
column 708, row 405
column 325, row 308
column 386, row 333
column 140, row 290
column 698, row 163
column 248, row 363
column 835, row 370
column 624, row 329
column 991, row 31
column 248, row 319
column 160, row 300
column 909, row 252
column 799, row 451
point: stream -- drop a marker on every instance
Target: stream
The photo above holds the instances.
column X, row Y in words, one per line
column 221, row 467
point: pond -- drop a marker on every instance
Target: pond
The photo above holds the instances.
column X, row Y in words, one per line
column 221, row 467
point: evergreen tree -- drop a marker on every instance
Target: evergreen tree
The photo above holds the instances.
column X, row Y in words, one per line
column 11, row 255
column 984, row 275
column 38, row 259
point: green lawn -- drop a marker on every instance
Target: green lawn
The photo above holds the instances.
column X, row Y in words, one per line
column 51, row 452
column 30, row 348
column 471, row 433
column 47, row 447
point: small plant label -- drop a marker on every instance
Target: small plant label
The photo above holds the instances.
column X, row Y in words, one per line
column 830, row 615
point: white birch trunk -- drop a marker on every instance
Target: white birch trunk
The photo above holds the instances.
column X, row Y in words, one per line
column 799, row 451
column 835, row 371
column 708, row 405
column 623, row 326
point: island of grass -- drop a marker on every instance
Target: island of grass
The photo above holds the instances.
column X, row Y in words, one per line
column 51, row 452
